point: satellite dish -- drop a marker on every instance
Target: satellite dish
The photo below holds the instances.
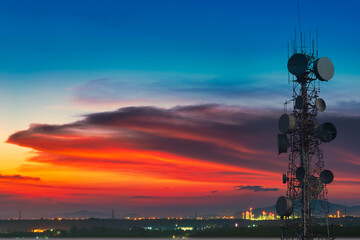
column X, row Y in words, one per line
column 320, row 104
column 284, row 206
column 299, row 102
column 316, row 185
column 283, row 143
column 298, row 64
column 324, row 69
column 300, row 173
column 285, row 179
column 326, row 132
column 326, row 176
column 287, row 123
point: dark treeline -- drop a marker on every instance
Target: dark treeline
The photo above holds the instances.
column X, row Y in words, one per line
column 136, row 232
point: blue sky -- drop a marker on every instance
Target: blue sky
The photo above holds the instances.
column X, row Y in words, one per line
column 50, row 44
column 47, row 46
column 218, row 37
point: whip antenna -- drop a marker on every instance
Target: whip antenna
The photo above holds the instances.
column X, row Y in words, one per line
column 298, row 8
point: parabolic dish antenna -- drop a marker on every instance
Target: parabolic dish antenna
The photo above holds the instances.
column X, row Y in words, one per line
column 300, row 173
column 298, row 64
column 326, row 176
column 326, row 132
column 287, row 123
column 283, row 143
column 324, row 69
column 320, row 104
column 284, row 206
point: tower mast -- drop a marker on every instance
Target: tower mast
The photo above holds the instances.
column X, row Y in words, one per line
column 306, row 177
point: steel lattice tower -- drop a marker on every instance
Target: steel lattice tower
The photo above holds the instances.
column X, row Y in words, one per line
column 306, row 177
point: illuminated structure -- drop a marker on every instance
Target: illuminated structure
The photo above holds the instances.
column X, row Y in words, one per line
column 248, row 215
column 306, row 177
column 338, row 215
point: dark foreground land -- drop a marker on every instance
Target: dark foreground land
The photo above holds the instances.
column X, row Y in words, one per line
column 346, row 227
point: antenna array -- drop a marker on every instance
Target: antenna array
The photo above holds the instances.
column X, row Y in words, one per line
column 302, row 134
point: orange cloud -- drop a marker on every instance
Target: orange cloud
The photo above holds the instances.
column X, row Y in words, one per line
column 147, row 155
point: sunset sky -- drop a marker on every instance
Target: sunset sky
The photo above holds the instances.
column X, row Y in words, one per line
column 163, row 108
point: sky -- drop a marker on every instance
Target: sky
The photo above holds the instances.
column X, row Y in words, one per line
column 163, row 108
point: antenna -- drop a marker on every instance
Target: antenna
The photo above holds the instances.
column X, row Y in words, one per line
column 313, row 47
column 317, row 42
column 288, row 59
column 295, row 42
column 309, row 41
column 298, row 8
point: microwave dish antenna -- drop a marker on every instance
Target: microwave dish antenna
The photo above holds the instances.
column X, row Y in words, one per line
column 324, row 69
column 298, row 64
column 326, row 176
column 320, row 104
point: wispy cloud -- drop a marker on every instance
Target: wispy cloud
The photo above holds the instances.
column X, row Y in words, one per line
column 145, row 197
column 18, row 177
column 168, row 89
column 256, row 188
column 264, row 90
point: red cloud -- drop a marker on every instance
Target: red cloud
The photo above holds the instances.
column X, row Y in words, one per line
column 205, row 147
column 18, row 177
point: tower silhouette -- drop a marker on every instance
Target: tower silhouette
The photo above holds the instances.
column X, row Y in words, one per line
column 302, row 134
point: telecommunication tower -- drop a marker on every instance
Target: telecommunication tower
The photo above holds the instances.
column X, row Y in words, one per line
column 302, row 135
